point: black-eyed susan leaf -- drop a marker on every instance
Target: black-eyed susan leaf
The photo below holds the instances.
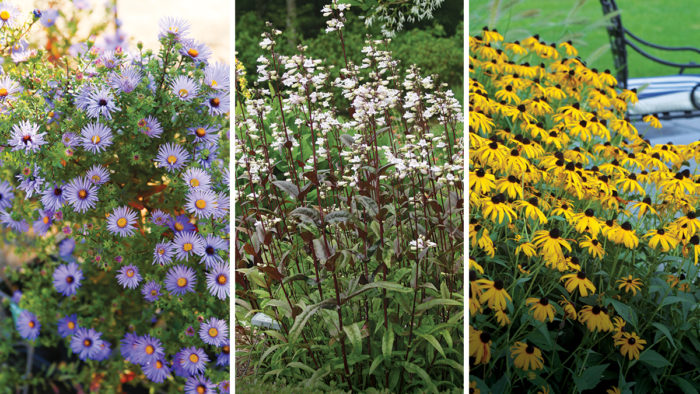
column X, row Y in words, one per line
column 437, row 301
column 625, row 312
column 433, row 341
column 377, row 361
column 590, row 377
column 388, row 343
column 664, row 330
column 653, row 359
column 686, row 386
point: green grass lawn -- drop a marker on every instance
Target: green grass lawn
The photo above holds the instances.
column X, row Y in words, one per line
column 664, row 22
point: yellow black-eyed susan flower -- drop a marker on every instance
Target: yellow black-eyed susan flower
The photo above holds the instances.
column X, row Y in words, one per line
column 550, row 244
column 531, row 209
column 629, row 284
column 618, row 327
column 630, row 345
column 569, row 48
column 661, row 237
column 564, row 210
column 652, row 120
column 510, row 186
column 613, row 390
column 473, row 264
column 595, row 317
column 527, row 249
column 569, row 308
column 502, row 317
column 694, row 247
column 578, row 281
column 586, row 222
column 494, row 293
column 626, row 236
column 643, row 207
column 592, row 246
column 474, row 304
column 515, row 47
column 473, row 389
column 541, row 309
column 481, row 182
column 526, row 357
column 497, row 210
column 479, row 346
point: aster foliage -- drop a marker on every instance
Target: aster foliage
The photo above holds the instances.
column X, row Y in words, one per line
column 349, row 221
column 583, row 235
column 88, row 186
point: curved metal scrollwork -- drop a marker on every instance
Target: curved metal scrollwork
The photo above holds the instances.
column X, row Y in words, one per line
column 617, row 41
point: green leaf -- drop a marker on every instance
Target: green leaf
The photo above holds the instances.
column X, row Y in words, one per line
column 375, row 285
column 297, row 364
column 287, row 187
column 437, row 301
column 431, row 339
column 337, row 217
column 413, row 368
column 684, row 385
column 653, row 359
column 672, row 300
column 625, row 311
column 307, row 215
column 590, row 377
column 448, row 338
column 304, row 316
column 388, row 343
column 451, row 363
column 666, row 332
column 375, row 363
column 353, row 333
column 369, row 204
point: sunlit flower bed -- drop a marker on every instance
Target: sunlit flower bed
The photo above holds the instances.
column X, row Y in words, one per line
column 583, row 236
column 115, row 176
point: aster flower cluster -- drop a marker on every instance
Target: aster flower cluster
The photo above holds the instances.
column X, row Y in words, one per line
column 571, row 212
column 97, row 173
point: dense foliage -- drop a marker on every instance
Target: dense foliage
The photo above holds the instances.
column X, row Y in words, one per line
column 584, row 237
column 349, row 221
column 115, row 177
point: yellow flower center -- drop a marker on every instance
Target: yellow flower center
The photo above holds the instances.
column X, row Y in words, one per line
column 183, row 93
column 222, row 279
column 201, row 132
column 201, row 204
column 4, row 15
column 181, row 282
column 121, row 222
column 82, row 194
column 201, row 389
column 87, row 343
column 215, row 102
column 161, row 251
column 46, row 220
column 159, row 364
column 96, row 178
column 213, row 332
column 153, row 293
column 179, row 226
column 194, row 358
column 172, row 159
column 31, row 324
column 130, row 273
column 150, row 349
column 187, row 247
column 3, row 92
column 194, row 183
column 71, row 325
column 193, row 52
column 96, row 139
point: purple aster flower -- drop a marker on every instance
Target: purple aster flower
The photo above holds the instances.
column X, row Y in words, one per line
column 28, row 325
column 128, row 346
column 156, row 371
column 222, row 206
column 218, row 280
column 86, row 343
column 121, row 222
column 104, row 351
column 181, row 223
column 224, row 387
column 68, row 325
column 209, row 135
column 20, row 226
column 180, row 280
column 70, row 140
column 81, row 194
column 20, row 51
column 9, row 15
column 66, row 247
column 163, row 253
column 150, row 126
column 184, row 88
column 66, row 279
column 177, row 366
column 82, row 96
column 8, row 88
column 26, row 136
column 187, row 244
column 159, row 218
column 195, row 50
column 227, row 178
column 53, row 198
column 193, row 360
column 43, row 224
column 213, row 244
column 96, row 137
column 189, row 331
column 216, row 76
column 173, row 27
column 127, row 81
column 172, row 156
column 223, row 359
column 214, row 332
column 109, row 59
column 6, row 195
column 199, row 384
column 205, row 154
column 82, row 4
column 129, row 277
column 16, row 296
column 148, row 349
column 100, row 103
column 151, row 291
column 196, row 178
column 98, row 175
column 78, row 49
column 218, row 104
column 201, row 202
column 48, row 17
column 30, row 182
